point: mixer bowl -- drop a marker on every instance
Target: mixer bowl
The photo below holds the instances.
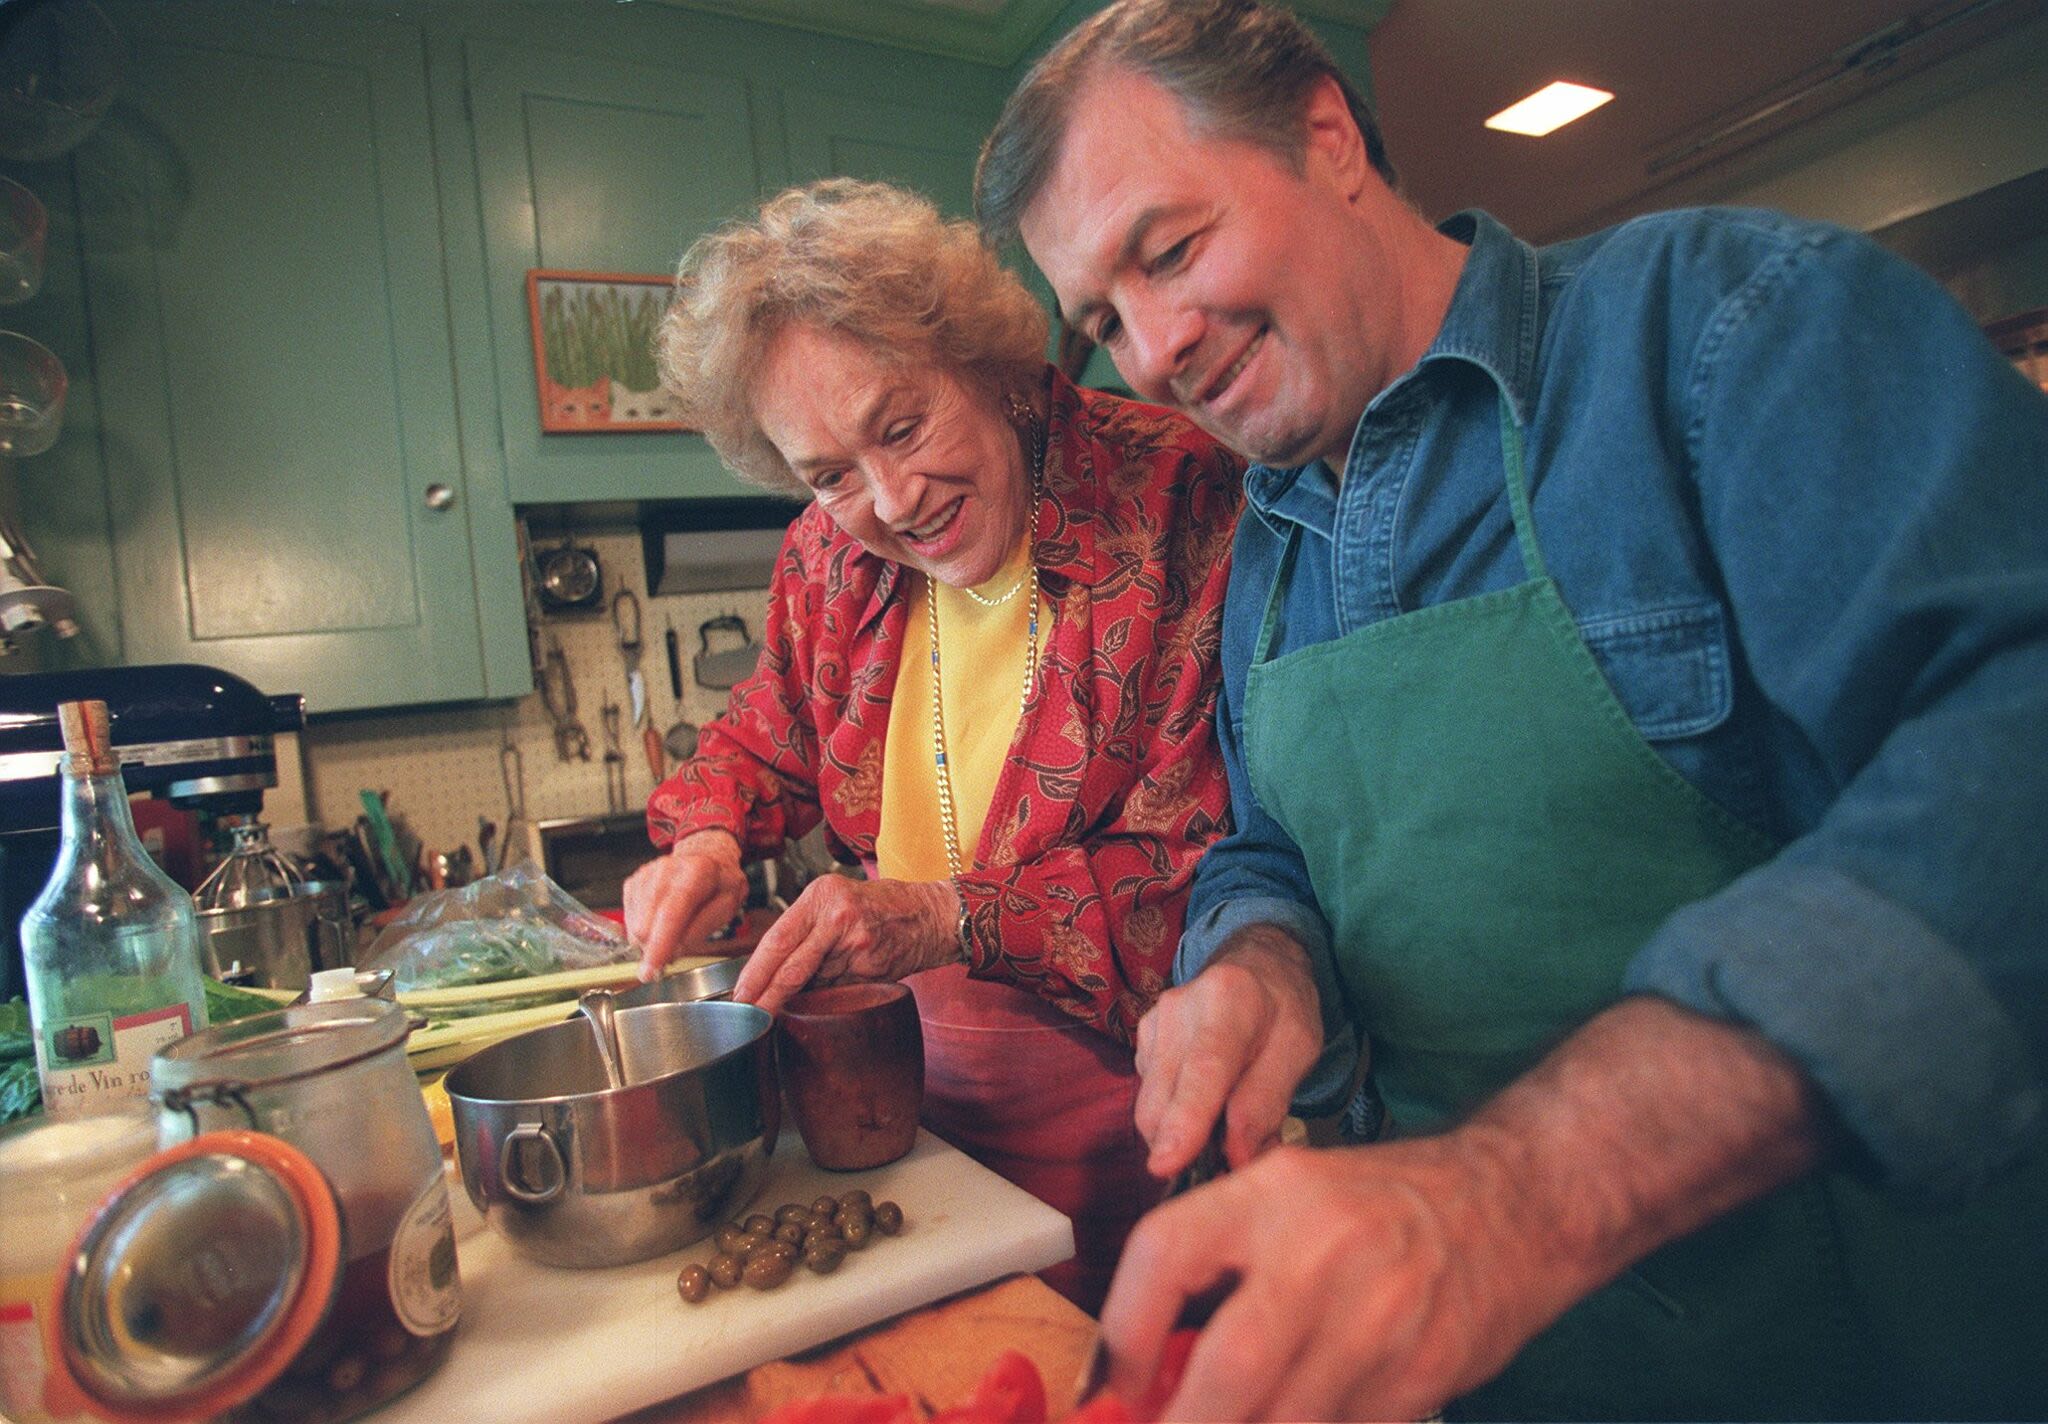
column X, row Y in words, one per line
column 573, row 1173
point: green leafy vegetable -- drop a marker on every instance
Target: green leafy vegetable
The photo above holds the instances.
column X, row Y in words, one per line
column 224, row 1003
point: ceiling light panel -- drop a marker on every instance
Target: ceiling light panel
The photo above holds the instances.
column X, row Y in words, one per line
column 1549, row 109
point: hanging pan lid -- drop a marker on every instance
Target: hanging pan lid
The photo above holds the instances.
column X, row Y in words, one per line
column 197, row 1280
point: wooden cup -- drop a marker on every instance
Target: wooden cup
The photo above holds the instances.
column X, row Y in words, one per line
column 852, row 1060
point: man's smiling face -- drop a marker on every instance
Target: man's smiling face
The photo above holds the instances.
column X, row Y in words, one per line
column 1221, row 281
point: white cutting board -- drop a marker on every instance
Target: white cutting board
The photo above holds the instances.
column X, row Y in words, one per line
column 550, row 1344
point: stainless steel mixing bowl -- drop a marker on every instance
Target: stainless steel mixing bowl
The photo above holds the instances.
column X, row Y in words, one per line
column 573, row 1173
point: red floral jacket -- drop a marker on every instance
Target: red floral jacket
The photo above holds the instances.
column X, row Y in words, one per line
column 1114, row 784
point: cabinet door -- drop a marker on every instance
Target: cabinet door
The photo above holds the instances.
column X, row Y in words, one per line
column 591, row 164
column 269, row 320
column 929, row 148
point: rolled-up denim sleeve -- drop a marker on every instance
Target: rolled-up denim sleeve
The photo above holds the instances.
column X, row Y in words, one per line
column 1256, row 875
column 1881, row 524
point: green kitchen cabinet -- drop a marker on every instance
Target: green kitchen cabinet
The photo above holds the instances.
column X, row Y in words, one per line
column 262, row 251
column 288, row 274
column 591, row 163
column 927, row 148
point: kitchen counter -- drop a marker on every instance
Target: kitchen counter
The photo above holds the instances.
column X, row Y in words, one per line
column 559, row 1346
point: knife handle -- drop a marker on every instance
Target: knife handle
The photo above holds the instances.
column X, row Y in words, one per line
column 650, row 740
column 675, row 664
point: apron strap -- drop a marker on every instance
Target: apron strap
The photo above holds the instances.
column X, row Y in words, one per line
column 1518, row 507
column 1518, row 490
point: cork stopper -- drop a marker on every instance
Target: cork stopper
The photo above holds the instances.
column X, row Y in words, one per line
column 87, row 739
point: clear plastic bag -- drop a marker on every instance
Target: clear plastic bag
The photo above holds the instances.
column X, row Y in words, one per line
column 511, row 925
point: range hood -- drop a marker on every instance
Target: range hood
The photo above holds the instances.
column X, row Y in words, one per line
column 713, row 545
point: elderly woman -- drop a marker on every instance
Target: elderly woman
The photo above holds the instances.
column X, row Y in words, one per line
column 991, row 667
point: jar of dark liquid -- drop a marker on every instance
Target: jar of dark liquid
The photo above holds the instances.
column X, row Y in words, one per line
column 292, row 1260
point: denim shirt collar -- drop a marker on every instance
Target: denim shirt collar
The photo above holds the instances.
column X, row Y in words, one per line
column 1493, row 322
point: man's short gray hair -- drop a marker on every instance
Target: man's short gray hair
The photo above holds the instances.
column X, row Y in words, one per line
column 1242, row 69
column 863, row 260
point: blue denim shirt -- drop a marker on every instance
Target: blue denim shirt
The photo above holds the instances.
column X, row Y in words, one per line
column 1799, row 508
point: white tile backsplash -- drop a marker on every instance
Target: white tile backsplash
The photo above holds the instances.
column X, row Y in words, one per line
column 441, row 765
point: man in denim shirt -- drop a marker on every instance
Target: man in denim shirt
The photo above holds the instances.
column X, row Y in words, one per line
column 1641, row 745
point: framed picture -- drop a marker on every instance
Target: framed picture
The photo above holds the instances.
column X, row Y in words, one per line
column 593, row 351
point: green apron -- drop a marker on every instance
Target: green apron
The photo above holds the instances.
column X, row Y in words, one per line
column 1491, row 841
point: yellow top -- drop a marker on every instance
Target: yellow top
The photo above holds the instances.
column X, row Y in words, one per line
column 981, row 665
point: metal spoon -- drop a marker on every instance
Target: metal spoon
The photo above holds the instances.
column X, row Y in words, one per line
column 597, row 1006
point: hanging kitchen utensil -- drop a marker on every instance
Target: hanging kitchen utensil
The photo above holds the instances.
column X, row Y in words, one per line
column 614, row 759
column 568, row 576
column 726, row 667
column 558, row 696
column 675, row 662
column 512, row 771
column 626, row 623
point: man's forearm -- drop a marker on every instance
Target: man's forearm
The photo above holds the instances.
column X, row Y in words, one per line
column 1646, row 1124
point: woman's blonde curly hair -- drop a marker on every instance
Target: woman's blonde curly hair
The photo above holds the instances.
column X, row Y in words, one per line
column 864, row 260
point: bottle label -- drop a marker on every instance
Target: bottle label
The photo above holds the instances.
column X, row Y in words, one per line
column 426, row 1289
column 96, row 1059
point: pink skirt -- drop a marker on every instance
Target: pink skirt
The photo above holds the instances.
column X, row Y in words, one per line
column 1044, row 1102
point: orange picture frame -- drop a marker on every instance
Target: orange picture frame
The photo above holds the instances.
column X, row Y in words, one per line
column 593, row 352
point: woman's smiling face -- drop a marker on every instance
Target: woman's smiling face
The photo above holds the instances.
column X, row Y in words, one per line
column 913, row 461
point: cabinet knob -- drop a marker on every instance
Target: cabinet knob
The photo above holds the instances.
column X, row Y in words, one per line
column 440, row 497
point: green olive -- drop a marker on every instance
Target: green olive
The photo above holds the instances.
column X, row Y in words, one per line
column 726, row 1269
column 888, row 1218
column 790, row 1231
column 856, row 1230
column 824, row 1258
column 761, row 1225
column 856, row 1195
column 694, row 1283
column 769, row 1270
column 824, row 1206
column 729, row 1236
column 790, row 1211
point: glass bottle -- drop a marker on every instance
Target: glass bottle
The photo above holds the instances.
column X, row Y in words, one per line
column 111, row 946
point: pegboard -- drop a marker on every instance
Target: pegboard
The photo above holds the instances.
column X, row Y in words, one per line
column 441, row 765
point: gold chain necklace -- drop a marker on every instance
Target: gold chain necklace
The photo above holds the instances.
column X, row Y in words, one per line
column 1000, row 599
column 948, row 820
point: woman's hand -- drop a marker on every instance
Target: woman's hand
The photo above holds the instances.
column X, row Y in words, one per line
column 696, row 888
column 842, row 929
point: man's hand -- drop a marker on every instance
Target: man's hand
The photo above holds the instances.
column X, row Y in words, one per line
column 841, row 929
column 1381, row 1282
column 1365, row 1283
column 696, row 888
column 1234, row 1041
